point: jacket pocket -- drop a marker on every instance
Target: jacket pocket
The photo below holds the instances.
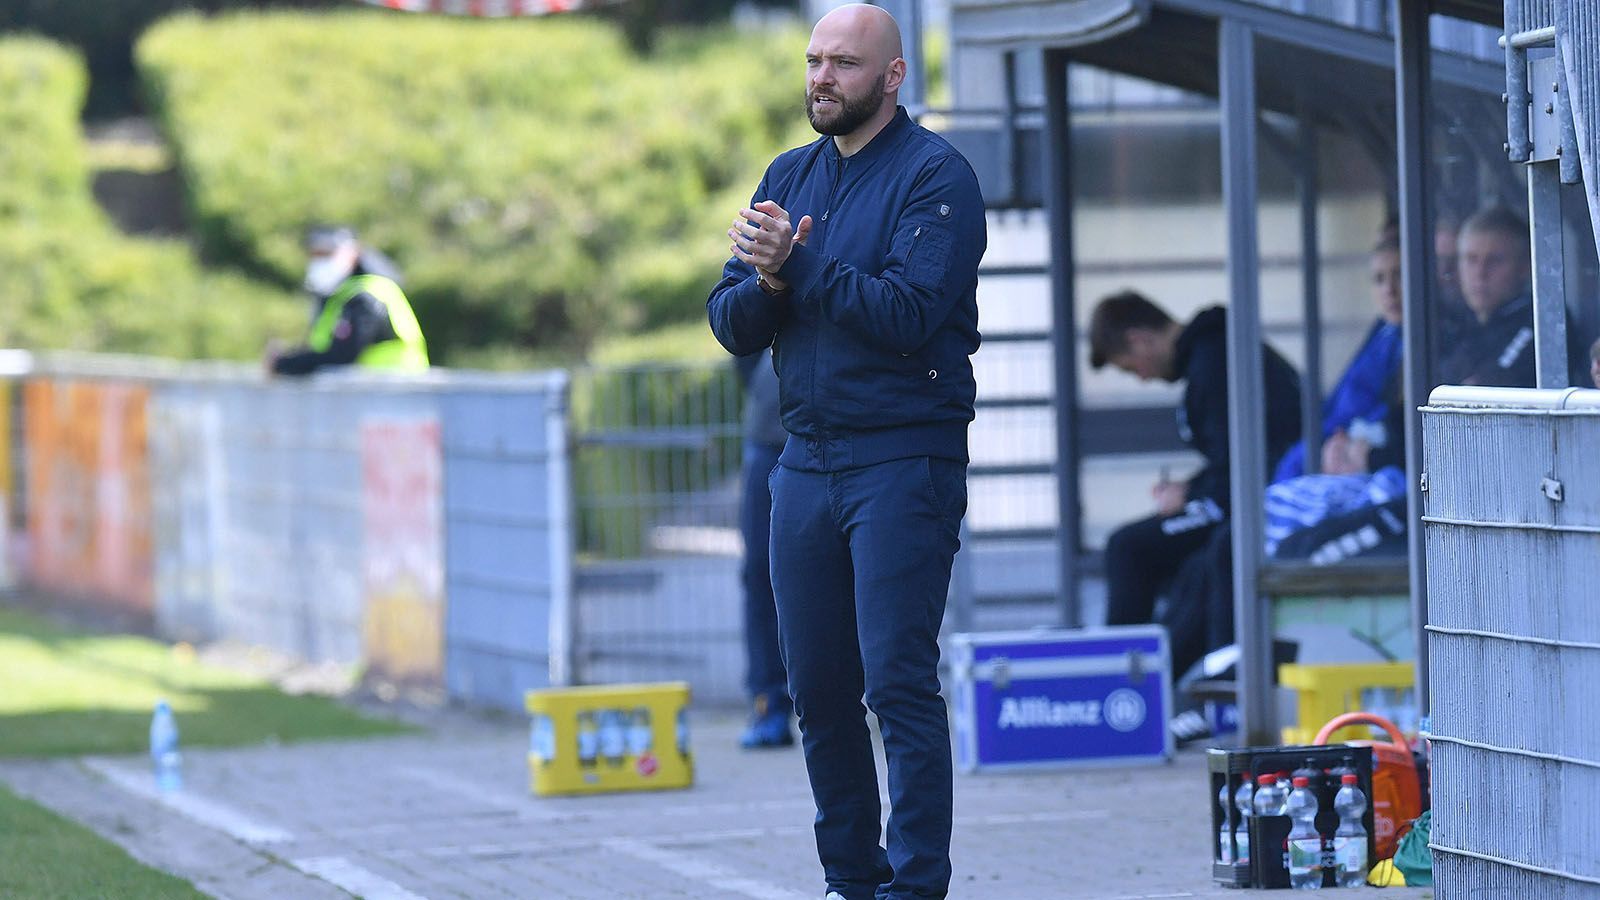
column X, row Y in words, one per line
column 928, row 259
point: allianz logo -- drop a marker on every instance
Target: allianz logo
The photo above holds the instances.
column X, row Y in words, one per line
column 1124, row 710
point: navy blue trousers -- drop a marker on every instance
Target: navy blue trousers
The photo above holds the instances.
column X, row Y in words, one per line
column 764, row 673
column 861, row 567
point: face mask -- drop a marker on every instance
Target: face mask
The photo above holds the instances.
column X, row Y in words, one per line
column 324, row 274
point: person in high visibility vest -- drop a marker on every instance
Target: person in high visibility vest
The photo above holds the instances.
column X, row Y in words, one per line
column 359, row 315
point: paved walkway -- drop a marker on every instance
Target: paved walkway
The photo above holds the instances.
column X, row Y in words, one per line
column 448, row 815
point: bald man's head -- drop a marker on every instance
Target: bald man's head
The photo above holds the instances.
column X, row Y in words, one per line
column 853, row 71
column 869, row 27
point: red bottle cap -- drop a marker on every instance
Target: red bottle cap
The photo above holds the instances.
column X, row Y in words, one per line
column 1301, row 781
column 1268, row 778
column 1348, row 779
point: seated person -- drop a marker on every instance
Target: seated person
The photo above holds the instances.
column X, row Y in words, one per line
column 1494, row 348
column 1361, row 398
column 1363, row 495
column 1133, row 334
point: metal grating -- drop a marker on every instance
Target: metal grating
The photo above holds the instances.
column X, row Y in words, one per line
column 1512, row 643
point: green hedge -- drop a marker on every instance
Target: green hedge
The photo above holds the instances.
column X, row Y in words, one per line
column 541, row 184
column 68, row 279
column 106, row 35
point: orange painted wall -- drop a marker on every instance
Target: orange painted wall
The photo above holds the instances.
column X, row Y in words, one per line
column 89, row 521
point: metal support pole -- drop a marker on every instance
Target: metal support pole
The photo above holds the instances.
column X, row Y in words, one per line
column 1412, row 66
column 1516, row 96
column 1246, row 425
column 1571, row 164
column 1057, row 148
column 1549, row 278
column 1010, row 143
column 1310, row 287
column 914, row 92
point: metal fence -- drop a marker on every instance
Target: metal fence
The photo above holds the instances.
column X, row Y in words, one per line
column 325, row 518
column 657, row 453
column 656, row 457
column 1513, row 551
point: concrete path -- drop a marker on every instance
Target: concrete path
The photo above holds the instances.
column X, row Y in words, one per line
column 449, row 815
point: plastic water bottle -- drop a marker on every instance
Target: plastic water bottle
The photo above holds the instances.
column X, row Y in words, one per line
column 1224, row 833
column 1305, row 843
column 1269, row 798
column 1350, row 841
column 588, row 739
column 542, row 739
column 164, row 755
column 1243, row 801
column 613, row 736
column 640, row 738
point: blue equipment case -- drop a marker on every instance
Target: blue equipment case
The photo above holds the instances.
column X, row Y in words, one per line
column 1062, row 697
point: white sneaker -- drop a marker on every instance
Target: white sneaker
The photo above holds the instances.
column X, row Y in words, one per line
column 834, row 895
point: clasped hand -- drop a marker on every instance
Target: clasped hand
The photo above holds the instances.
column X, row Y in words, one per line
column 764, row 237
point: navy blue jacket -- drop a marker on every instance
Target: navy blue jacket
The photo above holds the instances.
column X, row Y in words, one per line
column 873, row 341
column 1200, row 361
column 1496, row 353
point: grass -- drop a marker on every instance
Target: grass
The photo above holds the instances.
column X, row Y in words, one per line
column 67, row 693
column 49, row 858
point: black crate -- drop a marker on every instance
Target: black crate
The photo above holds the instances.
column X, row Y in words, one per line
column 1268, row 870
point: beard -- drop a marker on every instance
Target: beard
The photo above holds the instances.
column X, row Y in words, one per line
column 849, row 113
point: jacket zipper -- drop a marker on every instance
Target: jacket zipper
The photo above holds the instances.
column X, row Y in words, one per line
column 833, row 192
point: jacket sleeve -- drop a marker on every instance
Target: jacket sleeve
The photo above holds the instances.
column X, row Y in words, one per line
column 933, row 260
column 743, row 317
column 1206, row 399
column 363, row 321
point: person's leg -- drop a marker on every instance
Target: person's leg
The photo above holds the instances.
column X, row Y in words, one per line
column 765, row 678
column 1378, row 530
column 813, row 580
column 903, row 519
column 1143, row 556
column 1203, row 581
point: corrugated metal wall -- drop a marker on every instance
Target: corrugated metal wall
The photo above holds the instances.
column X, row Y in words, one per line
column 1514, row 641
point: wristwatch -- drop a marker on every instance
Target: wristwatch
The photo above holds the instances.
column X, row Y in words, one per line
column 766, row 286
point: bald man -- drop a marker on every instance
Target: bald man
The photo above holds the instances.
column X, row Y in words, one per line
column 857, row 262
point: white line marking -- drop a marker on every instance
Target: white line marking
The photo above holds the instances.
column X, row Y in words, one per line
column 209, row 813
column 459, row 787
column 546, row 847
column 342, row 873
column 697, row 869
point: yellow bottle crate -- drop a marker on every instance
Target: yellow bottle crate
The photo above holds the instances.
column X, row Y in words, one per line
column 1327, row 690
column 621, row 737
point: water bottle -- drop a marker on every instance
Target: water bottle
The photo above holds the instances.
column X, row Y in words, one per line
column 640, row 738
column 1243, row 800
column 1269, row 798
column 542, row 739
column 1305, row 843
column 613, row 736
column 1350, row 841
column 1224, row 833
column 588, row 739
column 164, row 754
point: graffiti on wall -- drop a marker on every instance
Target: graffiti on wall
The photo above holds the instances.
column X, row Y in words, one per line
column 88, row 485
column 403, row 552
